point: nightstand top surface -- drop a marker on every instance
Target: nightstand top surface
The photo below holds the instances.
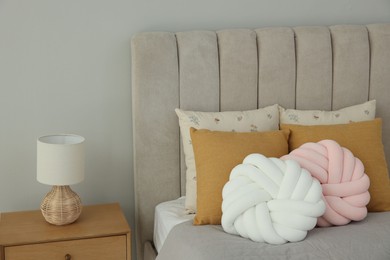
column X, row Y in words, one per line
column 27, row 227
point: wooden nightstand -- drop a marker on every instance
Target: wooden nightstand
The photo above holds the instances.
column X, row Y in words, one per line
column 101, row 232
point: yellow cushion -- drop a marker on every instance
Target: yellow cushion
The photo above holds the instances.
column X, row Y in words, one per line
column 217, row 153
column 364, row 139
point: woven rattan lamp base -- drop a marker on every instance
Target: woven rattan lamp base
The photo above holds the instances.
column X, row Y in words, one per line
column 61, row 206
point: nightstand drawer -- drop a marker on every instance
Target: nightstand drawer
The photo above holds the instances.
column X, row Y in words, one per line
column 113, row 247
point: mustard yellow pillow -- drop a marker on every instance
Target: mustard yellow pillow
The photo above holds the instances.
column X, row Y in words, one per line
column 217, row 153
column 364, row 139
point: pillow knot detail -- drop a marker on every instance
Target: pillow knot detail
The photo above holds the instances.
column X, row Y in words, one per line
column 342, row 177
column 270, row 200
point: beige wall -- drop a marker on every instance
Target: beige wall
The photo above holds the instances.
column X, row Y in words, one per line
column 65, row 68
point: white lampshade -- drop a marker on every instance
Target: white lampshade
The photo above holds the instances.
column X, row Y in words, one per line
column 60, row 159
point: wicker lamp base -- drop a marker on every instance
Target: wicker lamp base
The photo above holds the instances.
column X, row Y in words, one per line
column 61, row 206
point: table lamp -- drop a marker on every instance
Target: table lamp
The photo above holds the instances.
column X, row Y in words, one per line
column 60, row 162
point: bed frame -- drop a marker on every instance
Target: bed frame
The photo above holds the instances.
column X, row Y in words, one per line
column 323, row 68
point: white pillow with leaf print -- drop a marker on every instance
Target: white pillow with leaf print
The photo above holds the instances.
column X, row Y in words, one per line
column 263, row 119
column 356, row 113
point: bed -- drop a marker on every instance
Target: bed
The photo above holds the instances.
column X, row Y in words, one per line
column 317, row 68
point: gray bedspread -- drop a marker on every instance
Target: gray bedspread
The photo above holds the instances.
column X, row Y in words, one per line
column 368, row 239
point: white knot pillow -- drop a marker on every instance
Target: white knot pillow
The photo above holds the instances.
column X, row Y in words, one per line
column 270, row 200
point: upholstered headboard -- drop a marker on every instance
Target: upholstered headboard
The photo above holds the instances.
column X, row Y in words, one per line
column 302, row 67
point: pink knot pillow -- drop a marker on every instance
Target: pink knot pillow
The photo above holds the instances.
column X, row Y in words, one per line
column 341, row 174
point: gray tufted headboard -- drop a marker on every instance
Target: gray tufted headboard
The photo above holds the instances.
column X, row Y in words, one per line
column 302, row 67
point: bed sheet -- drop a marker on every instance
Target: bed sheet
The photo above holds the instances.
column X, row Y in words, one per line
column 167, row 215
column 367, row 239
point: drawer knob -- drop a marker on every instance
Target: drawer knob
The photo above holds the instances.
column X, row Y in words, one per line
column 68, row 257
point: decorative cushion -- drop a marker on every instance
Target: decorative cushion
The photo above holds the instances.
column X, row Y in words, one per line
column 264, row 119
column 217, row 153
column 341, row 174
column 357, row 113
column 270, row 200
column 364, row 140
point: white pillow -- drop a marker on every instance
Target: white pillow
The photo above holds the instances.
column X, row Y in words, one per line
column 357, row 113
column 264, row 119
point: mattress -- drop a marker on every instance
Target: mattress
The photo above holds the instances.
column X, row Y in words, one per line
column 167, row 215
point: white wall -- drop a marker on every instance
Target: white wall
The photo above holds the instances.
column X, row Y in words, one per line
column 65, row 67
